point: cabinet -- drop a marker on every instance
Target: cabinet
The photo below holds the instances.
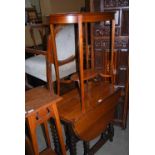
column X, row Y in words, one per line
column 101, row 44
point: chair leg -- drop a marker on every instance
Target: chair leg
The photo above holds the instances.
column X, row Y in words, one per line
column 86, row 147
column 71, row 140
column 111, row 132
column 55, row 138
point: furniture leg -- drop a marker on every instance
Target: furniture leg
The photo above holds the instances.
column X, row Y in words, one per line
column 86, row 147
column 55, row 138
column 67, row 135
column 111, row 132
column 71, row 140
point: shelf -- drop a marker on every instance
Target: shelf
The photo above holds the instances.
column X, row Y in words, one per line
column 116, row 37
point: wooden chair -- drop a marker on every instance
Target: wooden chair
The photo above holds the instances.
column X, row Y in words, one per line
column 65, row 64
column 93, row 108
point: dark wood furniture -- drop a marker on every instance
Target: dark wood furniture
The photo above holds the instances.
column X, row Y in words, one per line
column 28, row 146
column 41, row 106
column 101, row 43
column 32, row 16
column 93, row 105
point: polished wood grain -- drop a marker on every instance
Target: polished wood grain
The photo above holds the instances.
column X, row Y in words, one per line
column 81, row 74
column 61, row 18
column 101, row 100
column 38, row 98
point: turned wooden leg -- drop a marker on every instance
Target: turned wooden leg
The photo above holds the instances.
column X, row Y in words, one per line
column 55, row 138
column 66, row 135
column 71, row 140
column 111, row 132
column 86, row 147
column 72, row 145
column 103, row 136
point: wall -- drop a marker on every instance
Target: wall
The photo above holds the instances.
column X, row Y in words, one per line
column 28, row 4
column 57, row 6
column 36, row 4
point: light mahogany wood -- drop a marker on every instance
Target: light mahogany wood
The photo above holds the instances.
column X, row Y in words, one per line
column 69, row 18
column 40, row 106
column 101, row 100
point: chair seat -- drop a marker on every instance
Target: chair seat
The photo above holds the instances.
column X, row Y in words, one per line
column 36, row 66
